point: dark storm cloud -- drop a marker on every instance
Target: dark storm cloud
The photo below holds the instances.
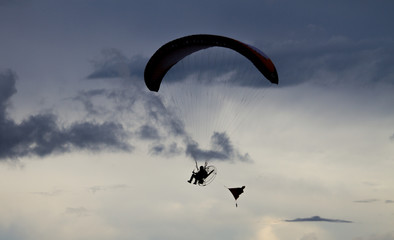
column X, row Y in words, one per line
column 317, row 219
column 167, row 150
column 196, row 153
column 148, row 132
column 222, row 149
column 94, row 136
column 334, row 60
column 222, row 141
column 392, row 137
column 42, row 135
column 158, row 149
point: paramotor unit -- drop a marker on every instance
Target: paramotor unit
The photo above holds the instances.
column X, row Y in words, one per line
column 204, row 176
column 211, row 175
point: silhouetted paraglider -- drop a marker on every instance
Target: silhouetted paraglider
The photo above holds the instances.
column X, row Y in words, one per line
column 204, row 175
column 174, row 51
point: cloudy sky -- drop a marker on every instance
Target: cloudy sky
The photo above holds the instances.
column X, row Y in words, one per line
column 87, row 152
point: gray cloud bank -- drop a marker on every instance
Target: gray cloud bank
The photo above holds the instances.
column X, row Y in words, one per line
column 317, row 219
column 41, row 134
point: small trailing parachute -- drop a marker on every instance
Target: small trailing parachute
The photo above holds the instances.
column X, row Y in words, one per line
column 174, row 51
column 236, row 192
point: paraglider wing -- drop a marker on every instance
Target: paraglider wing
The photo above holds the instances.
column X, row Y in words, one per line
column 174, row 51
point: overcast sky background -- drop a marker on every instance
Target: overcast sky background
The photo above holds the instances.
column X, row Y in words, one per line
column 87, row 152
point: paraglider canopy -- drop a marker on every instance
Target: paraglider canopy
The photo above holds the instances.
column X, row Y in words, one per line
column 174, row 51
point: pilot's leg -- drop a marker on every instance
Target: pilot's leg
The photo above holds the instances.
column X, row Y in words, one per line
column 197, row 178
column 191, row 178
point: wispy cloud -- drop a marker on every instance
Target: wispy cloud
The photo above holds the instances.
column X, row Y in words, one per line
column 317, row 219
column 78, row 211
column 48, row 194
column 168, row 150
column 334, row 57
column 95, row 189
column 371, row 200
column 112, row 63
column 85, row 97
column 148, row 132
